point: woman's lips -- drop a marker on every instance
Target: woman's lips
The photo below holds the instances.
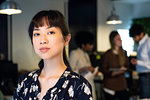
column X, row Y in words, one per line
column 44, row 49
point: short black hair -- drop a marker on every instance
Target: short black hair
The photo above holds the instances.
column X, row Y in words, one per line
column 135, row 30
column 84, row 37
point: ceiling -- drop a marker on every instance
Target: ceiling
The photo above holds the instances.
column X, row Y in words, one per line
column 140, row 8
column 133, row 1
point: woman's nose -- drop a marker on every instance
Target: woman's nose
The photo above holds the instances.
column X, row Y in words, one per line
column 44, row 40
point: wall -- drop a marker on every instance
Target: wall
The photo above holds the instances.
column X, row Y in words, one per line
column 23, row 53
column 104, row 7
column 141, row 10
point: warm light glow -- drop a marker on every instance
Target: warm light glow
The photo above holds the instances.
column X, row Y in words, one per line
column 114, row 22
column 10, row 11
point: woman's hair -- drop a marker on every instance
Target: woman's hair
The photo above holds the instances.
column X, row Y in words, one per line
column 112, row 35
column 53, row 18
column 121, row 52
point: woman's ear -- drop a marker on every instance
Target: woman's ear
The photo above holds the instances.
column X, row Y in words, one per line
column 67, row 39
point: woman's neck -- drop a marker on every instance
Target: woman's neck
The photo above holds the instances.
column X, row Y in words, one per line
column 116, row 50
column 53, row 67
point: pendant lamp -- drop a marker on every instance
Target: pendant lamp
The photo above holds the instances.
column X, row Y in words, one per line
column 113, row 18
column 10, row 7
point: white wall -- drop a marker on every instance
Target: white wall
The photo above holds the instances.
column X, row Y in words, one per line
column 23, row 53
column 103, row 11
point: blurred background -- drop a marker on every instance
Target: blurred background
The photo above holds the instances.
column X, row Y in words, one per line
column 16, row 52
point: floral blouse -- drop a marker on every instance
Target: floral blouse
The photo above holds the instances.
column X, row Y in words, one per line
column 70, row 86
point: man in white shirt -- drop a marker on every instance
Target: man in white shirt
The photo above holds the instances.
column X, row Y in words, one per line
column 143, row 59
column 79, row 58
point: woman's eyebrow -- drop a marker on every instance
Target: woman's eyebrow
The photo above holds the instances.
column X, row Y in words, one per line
column 49, row 27
column 36, row 29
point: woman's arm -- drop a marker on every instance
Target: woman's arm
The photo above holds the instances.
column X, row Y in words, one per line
column 19, row 90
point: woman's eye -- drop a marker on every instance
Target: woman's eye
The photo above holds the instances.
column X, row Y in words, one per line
column 36, row 34
column 51, row 32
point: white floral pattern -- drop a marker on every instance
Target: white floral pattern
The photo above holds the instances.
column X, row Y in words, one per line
column 86, row 89
column 65, row 84
column 71, row 91
column 25, row 91
column 70, row 86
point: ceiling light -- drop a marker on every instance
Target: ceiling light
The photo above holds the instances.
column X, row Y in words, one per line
column 113, row 18
column 10, row 7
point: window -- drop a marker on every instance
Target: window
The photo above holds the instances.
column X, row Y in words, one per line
column 127, row 42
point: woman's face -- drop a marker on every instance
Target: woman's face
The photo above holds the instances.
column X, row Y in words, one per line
column 48, row 42
column 117, row 41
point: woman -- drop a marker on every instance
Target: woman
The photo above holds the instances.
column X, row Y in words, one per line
column 114, row 64
column 54, row 81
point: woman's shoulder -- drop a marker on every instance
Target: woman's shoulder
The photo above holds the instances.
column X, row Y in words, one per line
column 78, row 79
column 25, row 81
column 29, row 76
column 78, row 84
column 108, row 52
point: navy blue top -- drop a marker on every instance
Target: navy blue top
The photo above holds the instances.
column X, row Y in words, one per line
column 70, row 86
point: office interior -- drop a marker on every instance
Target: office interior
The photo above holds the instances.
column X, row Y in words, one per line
column 90, row 15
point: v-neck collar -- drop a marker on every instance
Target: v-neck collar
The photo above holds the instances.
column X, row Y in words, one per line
column 56, row 87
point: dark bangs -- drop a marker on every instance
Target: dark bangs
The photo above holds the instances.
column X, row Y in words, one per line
column 50, row 18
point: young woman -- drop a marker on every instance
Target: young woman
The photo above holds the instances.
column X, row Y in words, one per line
column 54, row 80
column 114, row 64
